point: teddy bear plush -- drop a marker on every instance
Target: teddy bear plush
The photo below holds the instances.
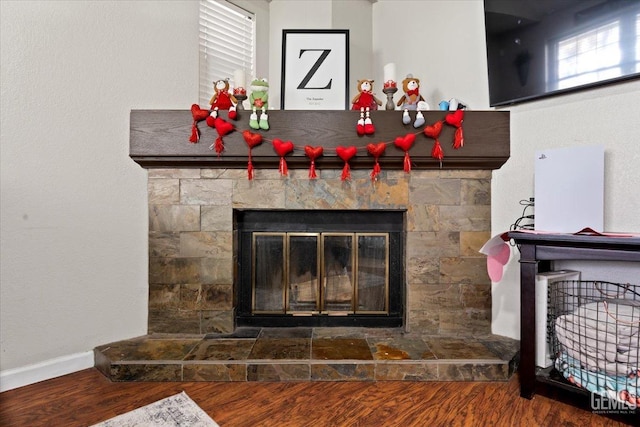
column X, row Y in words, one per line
column 412, row 100
column 365, row 101
column 222, row 99
column 259, row 100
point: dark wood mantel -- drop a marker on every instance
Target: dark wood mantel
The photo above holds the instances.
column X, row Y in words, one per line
column 160, row 138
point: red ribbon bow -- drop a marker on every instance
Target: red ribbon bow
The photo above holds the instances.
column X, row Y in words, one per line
column 413, row 92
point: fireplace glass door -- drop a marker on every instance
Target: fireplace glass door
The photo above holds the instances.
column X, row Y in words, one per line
column 320, row 273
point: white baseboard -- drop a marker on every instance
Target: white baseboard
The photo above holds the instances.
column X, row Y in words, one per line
column 19, row 377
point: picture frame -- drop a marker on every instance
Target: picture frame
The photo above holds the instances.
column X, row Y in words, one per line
column 315, row 70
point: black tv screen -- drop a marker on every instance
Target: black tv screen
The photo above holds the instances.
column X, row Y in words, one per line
column 540, row 48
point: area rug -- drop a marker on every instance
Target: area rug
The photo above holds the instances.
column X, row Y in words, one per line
column 177, row 410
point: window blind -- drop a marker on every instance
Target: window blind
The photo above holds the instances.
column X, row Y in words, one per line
column 227, row 40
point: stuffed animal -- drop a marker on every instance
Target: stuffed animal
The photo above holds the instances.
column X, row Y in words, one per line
column 365, row 101
column 259, row 100
column 222, row 99
column 412, row 100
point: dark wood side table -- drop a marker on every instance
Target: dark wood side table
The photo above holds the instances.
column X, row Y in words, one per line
column 537, row 251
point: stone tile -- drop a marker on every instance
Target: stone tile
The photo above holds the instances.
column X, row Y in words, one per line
column 472, row 241
column 216, row 218
column 434, row 191
column 406, row 372
column 343, row 371
column 279, row 372
column 163, row 191
column 173, row 270
column 473, row 372
column 205, row 297
column 170, row 321
column 433, row 297
column 163, row 296
column 256, row 194
column 214, row 372
column 216, row 321
column 240, row 332
column 398, row 348
column 149, row 349
column 466, row 173
column 145, row 372
column 423, row 218
column 211, row 192
column 458, row 348
column 164, row 244
column 298, row 332
column 465, row 218
column 476, row 192
column 467, row 321
column 173, row 173
column 464, row 270
column 281, row 348
column 475, row 296
column 229, row 174
column 174, row 218
column 322, row 194
column 433, row 244
column 216, row 244
column 340, row 349
column 216, row 270
column 421, row 269
column 388, row 194
column 221, row 349
column 425, row 322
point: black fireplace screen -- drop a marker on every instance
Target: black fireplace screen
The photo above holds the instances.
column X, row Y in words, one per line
column 313, row 267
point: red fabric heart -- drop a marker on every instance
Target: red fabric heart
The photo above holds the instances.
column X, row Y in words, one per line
column 222, row 127
column 346, row 153
column 434, row 130
column 405, row 142
column 376, row 150
column 313, row 152
column 281, row 147
column 252, row 139
column 455, row 118
column 198, row 113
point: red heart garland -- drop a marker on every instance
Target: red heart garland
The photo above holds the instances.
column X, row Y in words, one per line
column 405, row 143
column 376, row 150
column 455, row 118
column 346, row 153
column 313, row 153
column 433, row 131
column 198, row 113
column 436, row 151
column 222, row 127
column 282, row 148
column 458, row 138
column 252, row 140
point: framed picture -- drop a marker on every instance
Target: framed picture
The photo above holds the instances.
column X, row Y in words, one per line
column 315, row 70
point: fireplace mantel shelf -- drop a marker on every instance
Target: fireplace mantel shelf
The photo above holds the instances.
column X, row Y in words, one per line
column 160, row 139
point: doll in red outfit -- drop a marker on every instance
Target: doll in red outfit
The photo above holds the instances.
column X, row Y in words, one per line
column 222, row 100
column 365, row 101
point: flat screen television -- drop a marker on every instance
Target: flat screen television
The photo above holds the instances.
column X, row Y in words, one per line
column 541, row 48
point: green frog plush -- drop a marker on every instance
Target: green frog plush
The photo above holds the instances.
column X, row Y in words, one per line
column 259, row 100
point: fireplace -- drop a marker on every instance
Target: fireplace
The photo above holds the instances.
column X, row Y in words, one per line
column 196, row 201
column 320, row 267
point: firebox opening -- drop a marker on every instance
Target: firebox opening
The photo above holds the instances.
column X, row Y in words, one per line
column 319, row 268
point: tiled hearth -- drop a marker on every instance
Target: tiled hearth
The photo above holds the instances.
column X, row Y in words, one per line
column 309, row 354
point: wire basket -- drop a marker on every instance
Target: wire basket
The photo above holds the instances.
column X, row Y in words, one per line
column 594, row 331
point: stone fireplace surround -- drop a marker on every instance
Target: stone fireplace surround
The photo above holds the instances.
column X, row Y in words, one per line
column 191, row 258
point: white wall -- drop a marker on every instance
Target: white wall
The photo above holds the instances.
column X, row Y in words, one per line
column 73, row 209
column 73, row 205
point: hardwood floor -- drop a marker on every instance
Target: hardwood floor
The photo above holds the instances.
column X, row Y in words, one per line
column 87, row 397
